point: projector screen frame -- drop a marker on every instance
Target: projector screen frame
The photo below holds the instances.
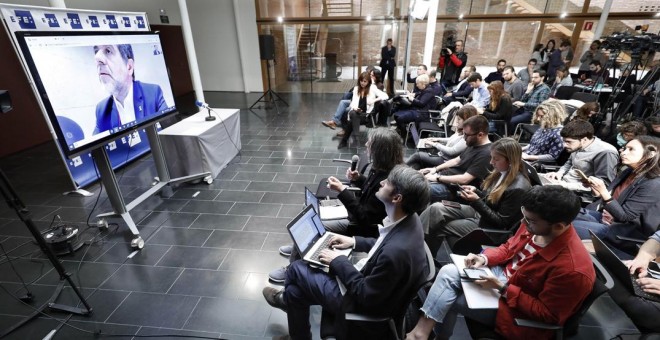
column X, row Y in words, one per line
column 44, row 97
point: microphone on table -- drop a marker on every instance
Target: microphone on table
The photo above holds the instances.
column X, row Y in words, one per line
column 206, row 106
column 354, row 162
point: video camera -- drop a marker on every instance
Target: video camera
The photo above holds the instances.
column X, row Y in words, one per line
column 450, row 44
column 636, row 44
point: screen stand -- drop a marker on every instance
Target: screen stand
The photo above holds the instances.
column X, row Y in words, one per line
column 81, row 192
column 119, row 207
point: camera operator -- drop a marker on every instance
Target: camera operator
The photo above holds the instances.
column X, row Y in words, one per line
column 451, row 63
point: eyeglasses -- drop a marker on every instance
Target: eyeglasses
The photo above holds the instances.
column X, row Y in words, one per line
column 522, row 210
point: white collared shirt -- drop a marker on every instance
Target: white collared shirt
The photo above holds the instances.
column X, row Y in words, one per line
column 383, row 230
column 126, row 112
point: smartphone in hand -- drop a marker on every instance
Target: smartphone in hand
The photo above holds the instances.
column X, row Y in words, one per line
column 475, row 273
column 582, row 175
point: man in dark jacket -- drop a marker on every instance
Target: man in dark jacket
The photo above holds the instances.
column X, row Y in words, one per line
column 388, row 64
column 377, row 285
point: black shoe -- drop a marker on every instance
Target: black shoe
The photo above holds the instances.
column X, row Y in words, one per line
column 275, row 297
column 343, row 144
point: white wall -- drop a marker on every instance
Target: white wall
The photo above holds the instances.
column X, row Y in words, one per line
column 215, row 33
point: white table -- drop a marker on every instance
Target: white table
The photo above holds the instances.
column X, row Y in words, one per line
column 195, row 145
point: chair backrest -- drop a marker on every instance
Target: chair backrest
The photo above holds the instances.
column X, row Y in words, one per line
column 572, row 324
column 585, row 97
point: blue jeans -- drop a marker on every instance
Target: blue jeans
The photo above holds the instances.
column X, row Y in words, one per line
column 525, row 117
column 342, row 108
column 446, row 300
column 440, row 191
column 305, row 286
column 588, row 219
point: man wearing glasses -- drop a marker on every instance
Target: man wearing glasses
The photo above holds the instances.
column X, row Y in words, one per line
column 542, row 273
column 469, row 168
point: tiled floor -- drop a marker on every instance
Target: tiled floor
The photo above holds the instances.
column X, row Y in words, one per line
column 206, row 257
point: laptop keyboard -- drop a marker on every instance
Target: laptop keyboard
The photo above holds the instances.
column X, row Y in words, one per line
column 639, row 292
column 324, row 245
column 329, row 203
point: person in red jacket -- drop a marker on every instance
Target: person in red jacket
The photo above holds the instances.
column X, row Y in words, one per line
column 450, row 65
column 542, row 273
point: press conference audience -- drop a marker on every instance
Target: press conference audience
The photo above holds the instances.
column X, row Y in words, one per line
column 562, row 78
column 589, row 154
column 423, row 101
column 546, row 143
column 525, row 74
column 627, row 132
column 377, row 285
column 629, row 205
column 470, row 168
column 463, row 88
column 447, row 148
column 385, row 150
column 542, row 273
column 496, row 205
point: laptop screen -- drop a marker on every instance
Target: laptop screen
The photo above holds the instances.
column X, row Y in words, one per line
column 310, row 198
column 303, row 230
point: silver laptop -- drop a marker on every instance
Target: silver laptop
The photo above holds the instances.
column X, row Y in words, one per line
column 328, row 209
column 614, row 265
column 310, row 237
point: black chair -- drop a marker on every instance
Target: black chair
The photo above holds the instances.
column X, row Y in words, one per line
column 585, row 97
column 437, row 124
column 566, row 92
column 602, row 284
column 396, row 324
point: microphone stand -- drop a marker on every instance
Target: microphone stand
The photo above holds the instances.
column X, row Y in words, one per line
column 15, row 202
column 210, row 118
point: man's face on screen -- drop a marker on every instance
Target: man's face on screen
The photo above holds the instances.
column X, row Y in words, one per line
column 115, row 73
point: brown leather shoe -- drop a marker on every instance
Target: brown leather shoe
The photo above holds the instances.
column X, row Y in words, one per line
column 341, row 133
column 329, row 123
column 275, row 297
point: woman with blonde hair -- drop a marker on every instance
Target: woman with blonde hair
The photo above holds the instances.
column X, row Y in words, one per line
column 495, row 206
column 546, row 143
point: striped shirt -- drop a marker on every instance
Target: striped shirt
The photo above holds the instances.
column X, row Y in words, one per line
column 521, row 257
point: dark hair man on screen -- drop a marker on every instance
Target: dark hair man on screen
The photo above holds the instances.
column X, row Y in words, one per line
column 129, row 100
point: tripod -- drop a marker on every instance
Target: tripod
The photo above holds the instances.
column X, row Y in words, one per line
column 269, row 96
column 15, row 203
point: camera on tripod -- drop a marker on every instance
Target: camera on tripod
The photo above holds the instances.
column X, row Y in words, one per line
column 636, row 44
column 450, row 44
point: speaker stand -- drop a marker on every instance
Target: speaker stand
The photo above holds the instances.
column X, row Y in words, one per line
column 270, row 96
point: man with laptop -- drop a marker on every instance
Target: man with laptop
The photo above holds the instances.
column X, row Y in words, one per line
column 643, row 308
column 378, row 284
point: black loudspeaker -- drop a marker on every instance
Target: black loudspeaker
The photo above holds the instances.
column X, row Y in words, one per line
column 267, row 47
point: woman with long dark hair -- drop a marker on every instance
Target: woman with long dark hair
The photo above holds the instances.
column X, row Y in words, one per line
column 365, row 95
column 629, row 205
column 500, row 105
column 496, row 205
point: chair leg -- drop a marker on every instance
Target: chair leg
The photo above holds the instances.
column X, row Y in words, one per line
column 390, row 322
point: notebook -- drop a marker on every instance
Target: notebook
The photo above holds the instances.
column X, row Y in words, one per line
column 327, row 209
column 619, row 269
column 310, row 237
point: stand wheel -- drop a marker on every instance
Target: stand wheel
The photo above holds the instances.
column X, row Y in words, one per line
column 208, row 179
column 137, row 243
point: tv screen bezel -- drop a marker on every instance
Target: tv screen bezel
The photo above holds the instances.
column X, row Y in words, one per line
column 101, row 142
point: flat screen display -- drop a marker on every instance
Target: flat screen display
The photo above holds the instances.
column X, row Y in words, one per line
column 98, row 86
